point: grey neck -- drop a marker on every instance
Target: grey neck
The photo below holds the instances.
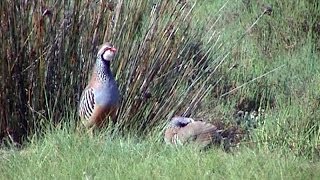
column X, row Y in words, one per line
column 102, row 69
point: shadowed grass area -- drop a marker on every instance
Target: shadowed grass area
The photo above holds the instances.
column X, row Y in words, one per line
column 61, row 154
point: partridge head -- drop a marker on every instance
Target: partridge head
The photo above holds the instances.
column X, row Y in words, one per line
column 106, row 52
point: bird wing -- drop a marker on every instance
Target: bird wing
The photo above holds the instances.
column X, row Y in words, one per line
column 87, row 103
column 198, row 131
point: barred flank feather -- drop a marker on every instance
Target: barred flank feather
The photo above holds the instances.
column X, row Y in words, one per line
column 86, row 103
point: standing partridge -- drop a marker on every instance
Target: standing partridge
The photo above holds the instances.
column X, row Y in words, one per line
column 101, row 98
column 184, row 130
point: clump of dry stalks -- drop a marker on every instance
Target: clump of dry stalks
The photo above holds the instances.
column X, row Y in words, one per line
column 48, row 48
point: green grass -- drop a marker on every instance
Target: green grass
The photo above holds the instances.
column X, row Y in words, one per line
column 63, row 154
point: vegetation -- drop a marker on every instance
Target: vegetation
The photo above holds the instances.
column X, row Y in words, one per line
column 63, row 154
column 208, row 59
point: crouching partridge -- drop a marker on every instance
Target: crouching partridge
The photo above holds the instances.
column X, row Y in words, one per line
column 100, row 99
column 183, row 130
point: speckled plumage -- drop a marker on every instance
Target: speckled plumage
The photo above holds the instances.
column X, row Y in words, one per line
column 101, row 97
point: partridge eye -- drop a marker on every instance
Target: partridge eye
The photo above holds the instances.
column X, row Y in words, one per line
column 110, row 49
